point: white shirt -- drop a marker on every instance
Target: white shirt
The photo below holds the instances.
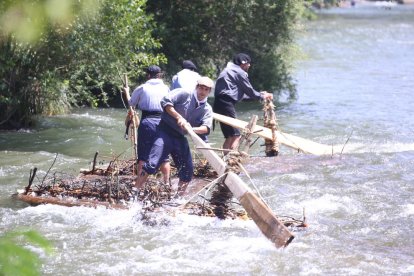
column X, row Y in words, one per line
column 186, row 79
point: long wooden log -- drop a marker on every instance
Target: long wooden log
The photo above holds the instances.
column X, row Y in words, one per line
column 264, row 218
column 292, row 141
column 37, row 200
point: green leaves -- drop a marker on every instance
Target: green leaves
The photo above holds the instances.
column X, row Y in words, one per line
column 16, row 258
column 27, row 20
column 73, row 62
column 211, row 32
column 61, row 53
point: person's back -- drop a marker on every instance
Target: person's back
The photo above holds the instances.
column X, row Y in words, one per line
column 186, row 78
column 147, row 97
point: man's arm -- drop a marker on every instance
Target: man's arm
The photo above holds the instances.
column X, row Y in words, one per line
column 265, row 95
column 134, row 98
column 248, row 89
column 177, row 116
column 206, row 122
column 201, row 130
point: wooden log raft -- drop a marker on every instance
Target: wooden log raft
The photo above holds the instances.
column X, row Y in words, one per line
column 292, row 141
column 262, row 215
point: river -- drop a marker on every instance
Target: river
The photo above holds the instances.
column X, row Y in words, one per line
column 355, row 89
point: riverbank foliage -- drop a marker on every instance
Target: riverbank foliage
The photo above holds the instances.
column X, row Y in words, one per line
column 57, row 54
column 211, row 32
column 16, row 258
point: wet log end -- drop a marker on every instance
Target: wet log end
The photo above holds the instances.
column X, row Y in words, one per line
column 267, row 222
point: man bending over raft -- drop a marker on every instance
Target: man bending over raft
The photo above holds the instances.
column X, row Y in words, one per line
column 181, row 107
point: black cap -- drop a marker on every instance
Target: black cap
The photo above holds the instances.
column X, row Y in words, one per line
column 153, row 70
column 188, row 64
column 241, row 58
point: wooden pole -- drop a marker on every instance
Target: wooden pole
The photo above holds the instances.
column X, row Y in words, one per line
column 133, row 116
column 94, row 162
column 31, row 178
column 292, row 141
column 263, row 216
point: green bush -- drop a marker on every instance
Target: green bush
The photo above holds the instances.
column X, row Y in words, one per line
column 211, row 32
column 15, row 258
column 74, row 64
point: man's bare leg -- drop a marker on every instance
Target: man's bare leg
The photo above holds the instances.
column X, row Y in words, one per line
column 231, row 143
column 165, row 169
column 140, row 181
column 182, row 186
column 140, row 164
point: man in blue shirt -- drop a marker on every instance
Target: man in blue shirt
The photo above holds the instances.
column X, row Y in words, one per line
column 181, row 107
column 186, row 78
column 147, row 98
column 231, row 86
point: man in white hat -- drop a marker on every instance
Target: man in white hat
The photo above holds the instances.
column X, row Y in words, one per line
column 181, row 106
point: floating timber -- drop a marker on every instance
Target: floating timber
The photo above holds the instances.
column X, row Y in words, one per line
column 292, row 141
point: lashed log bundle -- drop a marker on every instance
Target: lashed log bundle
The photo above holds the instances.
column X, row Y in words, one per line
column 264, row 218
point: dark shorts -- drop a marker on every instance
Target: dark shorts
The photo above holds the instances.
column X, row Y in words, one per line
column 146, row 136
column 224, row 105
column 176, row 145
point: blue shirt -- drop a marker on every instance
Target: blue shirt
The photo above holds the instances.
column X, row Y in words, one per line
column 148, row 95
column 233, row 82
column 185, row 103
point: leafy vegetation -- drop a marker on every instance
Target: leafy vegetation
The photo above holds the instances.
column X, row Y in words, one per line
column 15, row 259
column 211, row 32
column 325, row 3
column 56, row 54
column 76, row 64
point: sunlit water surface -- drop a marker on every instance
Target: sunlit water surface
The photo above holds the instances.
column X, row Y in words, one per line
column 357, row 84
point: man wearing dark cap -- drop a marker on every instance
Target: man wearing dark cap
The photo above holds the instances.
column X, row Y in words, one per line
column 181, row 107
column 187, row 77
column 146, row 98
column 231, row 86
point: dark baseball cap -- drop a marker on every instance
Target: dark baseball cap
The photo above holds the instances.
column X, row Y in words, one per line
column 241, row 58
column 188, row 64
column 153, row 70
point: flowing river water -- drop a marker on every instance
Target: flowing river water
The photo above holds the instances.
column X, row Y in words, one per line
column 356, row 83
